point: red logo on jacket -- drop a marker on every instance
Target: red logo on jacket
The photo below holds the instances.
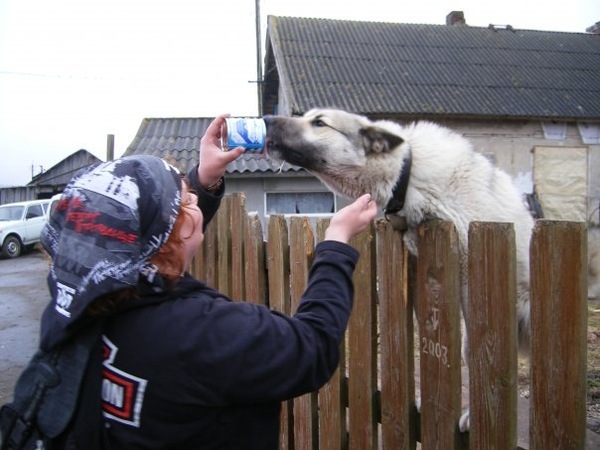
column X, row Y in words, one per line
column 122, row 393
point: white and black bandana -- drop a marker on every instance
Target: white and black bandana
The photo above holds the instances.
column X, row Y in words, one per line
column 110, row 220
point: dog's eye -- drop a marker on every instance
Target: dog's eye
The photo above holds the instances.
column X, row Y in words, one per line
column 319, row 123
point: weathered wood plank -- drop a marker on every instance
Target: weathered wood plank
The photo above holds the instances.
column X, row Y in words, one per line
column 237, row 225
column 559, row 335
column 332, row 398
column 398, row 412
column 223, row 257
column 492, row 331
column 278, row 278
column 255, row 267
column 362, row 335
column 439, row 335
column 306, row 434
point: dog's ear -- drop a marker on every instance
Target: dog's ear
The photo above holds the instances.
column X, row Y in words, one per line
column 379, row 141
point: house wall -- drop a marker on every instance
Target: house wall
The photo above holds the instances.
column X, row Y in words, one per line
column 255, row 189
column 20, row 194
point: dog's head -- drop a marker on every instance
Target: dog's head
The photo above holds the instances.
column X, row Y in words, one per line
column 349, row 153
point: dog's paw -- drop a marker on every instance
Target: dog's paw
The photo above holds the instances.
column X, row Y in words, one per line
column 464, row 422
column 418, row 403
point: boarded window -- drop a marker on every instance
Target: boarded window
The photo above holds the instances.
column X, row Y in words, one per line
column 560, row 179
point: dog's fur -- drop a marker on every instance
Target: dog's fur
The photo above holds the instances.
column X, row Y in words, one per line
column 353, row 155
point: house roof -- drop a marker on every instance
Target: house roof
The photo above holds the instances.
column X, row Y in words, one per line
column 179, row 139
column 431, row 70
column 62, row 172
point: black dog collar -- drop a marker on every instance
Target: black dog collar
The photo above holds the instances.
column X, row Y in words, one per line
column 396, row 203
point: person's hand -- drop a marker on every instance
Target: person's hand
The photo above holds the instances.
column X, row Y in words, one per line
column 213, row 160
column 351, row 220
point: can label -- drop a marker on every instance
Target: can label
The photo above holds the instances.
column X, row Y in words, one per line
column 244, row 132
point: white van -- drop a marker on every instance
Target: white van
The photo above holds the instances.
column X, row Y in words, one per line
column 21, row 225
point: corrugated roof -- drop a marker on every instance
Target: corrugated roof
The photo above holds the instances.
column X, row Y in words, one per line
column 62, row 172
column 409, row 69
column 179, row 139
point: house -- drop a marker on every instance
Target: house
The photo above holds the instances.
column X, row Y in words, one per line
column 51, row 181
column 527, row 99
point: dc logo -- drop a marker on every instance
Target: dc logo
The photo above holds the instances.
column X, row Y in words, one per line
column 64, row 298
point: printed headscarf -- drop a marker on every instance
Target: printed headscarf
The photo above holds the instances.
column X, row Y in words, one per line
column 110, row 220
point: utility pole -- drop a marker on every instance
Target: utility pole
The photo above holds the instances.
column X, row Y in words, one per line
column 259, row 71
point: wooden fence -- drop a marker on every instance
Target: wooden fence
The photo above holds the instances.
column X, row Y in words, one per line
column 370, row 401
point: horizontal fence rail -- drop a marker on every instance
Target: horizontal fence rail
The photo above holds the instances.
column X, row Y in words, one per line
column 388, row 362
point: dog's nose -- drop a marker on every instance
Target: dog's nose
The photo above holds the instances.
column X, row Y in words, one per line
column 269, row 119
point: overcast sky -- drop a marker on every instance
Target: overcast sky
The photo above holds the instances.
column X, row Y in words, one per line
column 74, row 71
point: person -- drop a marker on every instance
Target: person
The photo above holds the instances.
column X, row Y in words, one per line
column 180, row 365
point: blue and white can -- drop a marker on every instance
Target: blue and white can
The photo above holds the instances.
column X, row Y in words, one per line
column 243, row 132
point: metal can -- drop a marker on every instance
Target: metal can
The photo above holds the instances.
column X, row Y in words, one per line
column 243, row 132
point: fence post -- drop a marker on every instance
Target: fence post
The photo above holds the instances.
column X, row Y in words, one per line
column 204, row 266
column 398, row 412
column 223, row 258
column 332, row 397
column 278, row 271
column 306, row 435
column 559, row 332
column 362, row 339
column 254, row 251
column 237, row 227
column 438, row 290
column 492, row 331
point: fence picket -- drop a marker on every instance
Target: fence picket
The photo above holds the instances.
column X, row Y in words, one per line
column 223, row 256
column 492, row 334
column 254, row 272
column 398, row 412
column 237, row 226
column 559, row 337
column 362, row 360
column 332, row 397
column 301, row 255
column 439, row 335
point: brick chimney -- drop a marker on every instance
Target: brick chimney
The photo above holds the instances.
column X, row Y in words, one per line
column 594, row 29
column 456, row 18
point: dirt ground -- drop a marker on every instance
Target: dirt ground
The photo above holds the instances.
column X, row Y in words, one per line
column 593, row 376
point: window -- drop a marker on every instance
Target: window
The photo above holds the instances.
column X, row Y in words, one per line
column 11, row 213
column 35, row 211
column 303, row 203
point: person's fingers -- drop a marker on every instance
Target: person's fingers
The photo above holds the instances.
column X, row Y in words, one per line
column 213, row 132
column 232, row 154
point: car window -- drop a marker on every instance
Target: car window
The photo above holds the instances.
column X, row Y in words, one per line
column 35, row 211
column 11, row 213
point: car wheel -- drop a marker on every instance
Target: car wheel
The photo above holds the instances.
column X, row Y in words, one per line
column 12, row 247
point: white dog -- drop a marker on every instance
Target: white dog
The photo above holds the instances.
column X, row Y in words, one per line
column 421, row 171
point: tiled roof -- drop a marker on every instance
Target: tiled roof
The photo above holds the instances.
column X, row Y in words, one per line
column 439, row 70
column 179, row 139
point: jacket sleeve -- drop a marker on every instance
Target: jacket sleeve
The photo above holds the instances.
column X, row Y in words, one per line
column 258, row 355
column 208, row 202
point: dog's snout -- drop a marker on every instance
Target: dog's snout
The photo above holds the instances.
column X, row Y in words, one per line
column 269, row 120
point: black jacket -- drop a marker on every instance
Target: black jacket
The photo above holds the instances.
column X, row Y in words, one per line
column 195, row 370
